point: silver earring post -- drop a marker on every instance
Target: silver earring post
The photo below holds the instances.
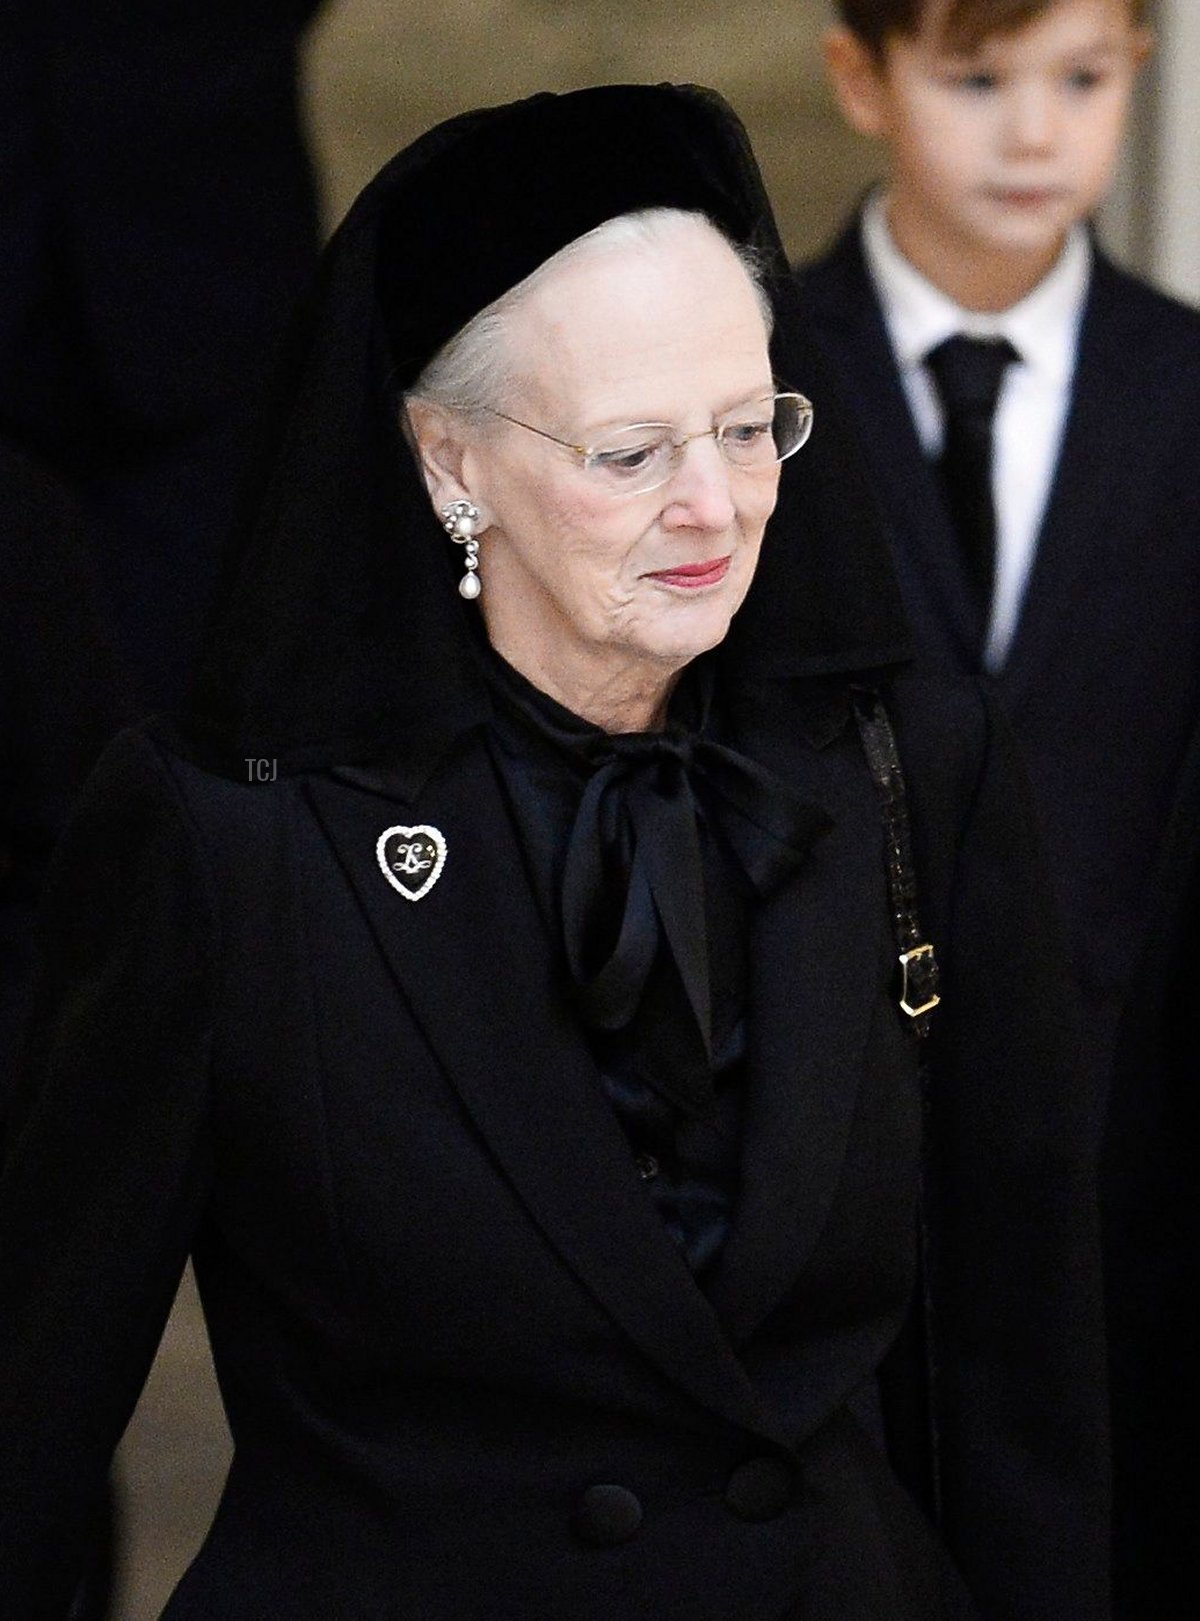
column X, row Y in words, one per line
column 459, row 519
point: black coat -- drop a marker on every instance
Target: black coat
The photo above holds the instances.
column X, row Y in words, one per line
column 158, row 218
column 1102, row 683
column 63, row 694
column 467, row 1373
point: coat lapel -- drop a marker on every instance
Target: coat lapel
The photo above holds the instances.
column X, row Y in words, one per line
column 848, row 321
column 818, row 953
column 472, row 960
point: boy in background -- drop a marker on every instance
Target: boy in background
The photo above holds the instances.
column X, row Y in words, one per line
column 1030, row 413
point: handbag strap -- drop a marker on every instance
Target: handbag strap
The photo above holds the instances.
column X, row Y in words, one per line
column 917, row 992
column 918, row 997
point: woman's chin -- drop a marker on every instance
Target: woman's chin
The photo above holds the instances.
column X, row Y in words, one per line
column 694, row 627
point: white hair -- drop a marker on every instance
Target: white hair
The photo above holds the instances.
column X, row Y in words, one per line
column 472, row 371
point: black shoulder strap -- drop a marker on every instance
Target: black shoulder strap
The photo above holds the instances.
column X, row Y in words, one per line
column 918, row 986
column 910, row 1372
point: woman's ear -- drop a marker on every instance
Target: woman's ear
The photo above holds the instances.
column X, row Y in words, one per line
column 440, row 446
column 859, row 81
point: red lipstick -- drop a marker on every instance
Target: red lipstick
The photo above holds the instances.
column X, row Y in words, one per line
column 691, row 576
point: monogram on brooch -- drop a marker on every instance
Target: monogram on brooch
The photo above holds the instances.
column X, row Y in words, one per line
column 411, row 859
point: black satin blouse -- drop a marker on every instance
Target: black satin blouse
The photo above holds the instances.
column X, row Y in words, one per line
column 631, row 849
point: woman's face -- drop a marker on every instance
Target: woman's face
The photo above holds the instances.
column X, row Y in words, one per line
column 586, row 592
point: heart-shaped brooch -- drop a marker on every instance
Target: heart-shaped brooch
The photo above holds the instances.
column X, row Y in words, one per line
column 411, row 859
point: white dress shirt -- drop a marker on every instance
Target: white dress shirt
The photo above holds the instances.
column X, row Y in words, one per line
column 1031, row 412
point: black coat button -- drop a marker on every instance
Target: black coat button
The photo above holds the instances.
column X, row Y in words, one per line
column 606, row 1516
column 760, row 1488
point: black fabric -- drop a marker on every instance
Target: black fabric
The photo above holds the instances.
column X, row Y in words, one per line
column 633, row 874
column 638, row 819
column 687, row 1160
column 158, row 215
column 596, row 153
column 441, row 1304
column 1102, row 684
column 1152, row 1238
column 63, row 694
column 1102, row 680
column 306, row 665
column 665, row 1015
column 968, row 373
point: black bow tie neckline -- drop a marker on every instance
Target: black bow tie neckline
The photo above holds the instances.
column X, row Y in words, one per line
column 633, row 881
column 634, row 873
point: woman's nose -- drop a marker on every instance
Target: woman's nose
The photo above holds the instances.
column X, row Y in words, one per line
column 699, row 494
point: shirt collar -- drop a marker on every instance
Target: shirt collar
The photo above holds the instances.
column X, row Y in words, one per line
column 1042, row 327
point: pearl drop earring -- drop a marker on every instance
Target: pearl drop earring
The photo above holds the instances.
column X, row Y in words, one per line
column 459, row 519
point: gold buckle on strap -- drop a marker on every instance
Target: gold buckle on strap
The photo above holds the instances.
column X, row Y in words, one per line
column 919, row 982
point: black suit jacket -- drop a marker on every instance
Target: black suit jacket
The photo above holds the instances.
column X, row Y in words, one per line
column 467, row 1373
column 1152, row 1239
column 1102, row 683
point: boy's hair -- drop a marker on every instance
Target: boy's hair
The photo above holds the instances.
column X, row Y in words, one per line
column 965, row 24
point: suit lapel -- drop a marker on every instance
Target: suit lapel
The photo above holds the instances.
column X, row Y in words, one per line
column 842, row 303
column 472, row 960
column 1091, row 493
column 817, row 955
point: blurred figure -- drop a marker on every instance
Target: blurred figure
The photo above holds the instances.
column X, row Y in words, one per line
column 157, row 219
column 62, row 695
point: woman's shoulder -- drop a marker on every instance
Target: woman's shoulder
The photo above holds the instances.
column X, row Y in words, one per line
column 953, row 741
column 155, row 811
column 943, row 724
column 965, row 782
column 158, row 760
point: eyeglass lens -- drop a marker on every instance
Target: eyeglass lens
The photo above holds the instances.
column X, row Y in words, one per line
column 758, row 434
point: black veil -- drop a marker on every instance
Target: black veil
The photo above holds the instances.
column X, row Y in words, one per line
column 342, row 639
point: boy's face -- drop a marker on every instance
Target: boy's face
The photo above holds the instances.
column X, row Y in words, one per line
column 997, row 153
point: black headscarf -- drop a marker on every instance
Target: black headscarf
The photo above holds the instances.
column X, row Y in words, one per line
column 343, row 639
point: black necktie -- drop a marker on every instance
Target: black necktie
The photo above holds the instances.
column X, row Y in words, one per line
column 967, row 373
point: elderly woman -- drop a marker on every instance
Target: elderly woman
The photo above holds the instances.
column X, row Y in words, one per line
column 493, row 978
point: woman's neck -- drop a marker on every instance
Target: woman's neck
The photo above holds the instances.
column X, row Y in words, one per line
column 615, row 697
